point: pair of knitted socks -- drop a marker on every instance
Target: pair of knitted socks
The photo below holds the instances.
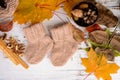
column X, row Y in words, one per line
column 61, row 44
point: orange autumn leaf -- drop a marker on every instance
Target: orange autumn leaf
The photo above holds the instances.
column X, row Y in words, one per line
column 35, row 10
column 69, row 4
column 99, row 66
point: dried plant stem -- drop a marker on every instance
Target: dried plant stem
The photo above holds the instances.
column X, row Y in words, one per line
column 111, row 37
column 88, row 75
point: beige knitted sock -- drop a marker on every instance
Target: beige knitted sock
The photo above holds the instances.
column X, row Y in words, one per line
column 39, row 44
column 64, row 45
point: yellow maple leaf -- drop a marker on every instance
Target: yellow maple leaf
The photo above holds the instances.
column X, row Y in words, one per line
column 35, row 10
column 99, row 66
column 69, row 4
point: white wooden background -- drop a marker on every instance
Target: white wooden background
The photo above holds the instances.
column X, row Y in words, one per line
column 73, row 70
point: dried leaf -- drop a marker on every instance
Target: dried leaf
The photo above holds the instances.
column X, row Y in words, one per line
column 35, row 10
column 98, row 65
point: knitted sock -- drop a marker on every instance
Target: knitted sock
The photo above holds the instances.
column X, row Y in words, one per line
column 39, row 44
column 64, row 45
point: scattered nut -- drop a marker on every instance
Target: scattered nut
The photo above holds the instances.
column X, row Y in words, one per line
column 85, row 14
column 88, row 21
column 85, row 18
column 12, row 43
column 9, row 46
column 92, row 13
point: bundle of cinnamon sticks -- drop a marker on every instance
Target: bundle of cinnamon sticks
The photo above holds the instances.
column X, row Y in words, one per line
column 11, row 55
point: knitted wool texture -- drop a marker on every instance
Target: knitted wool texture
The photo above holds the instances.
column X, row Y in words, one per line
column 39, row 44
column 64, row 45
column 9, row 11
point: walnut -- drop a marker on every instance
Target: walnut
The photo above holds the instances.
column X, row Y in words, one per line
column 18, row 48
column 77, row 13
